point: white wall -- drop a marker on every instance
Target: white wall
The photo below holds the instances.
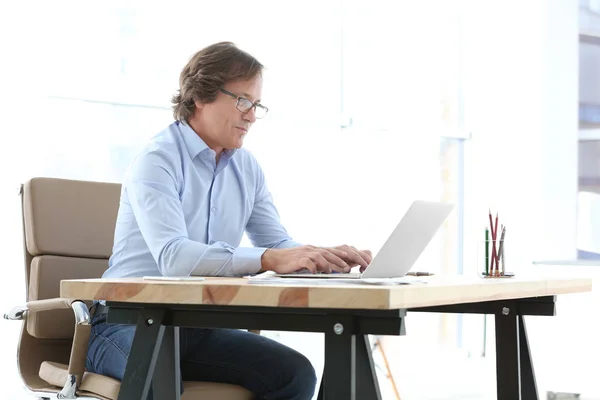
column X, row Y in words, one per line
column 521, row 105
column 521, row 72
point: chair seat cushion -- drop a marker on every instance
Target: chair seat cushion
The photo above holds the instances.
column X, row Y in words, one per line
column 56, row 374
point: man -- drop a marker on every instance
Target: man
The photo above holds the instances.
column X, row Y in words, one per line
column 186, row 201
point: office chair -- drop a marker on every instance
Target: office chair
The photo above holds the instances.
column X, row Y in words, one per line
column 68, row 230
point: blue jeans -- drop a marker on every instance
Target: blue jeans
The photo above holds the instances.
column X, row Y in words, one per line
column 263, row 366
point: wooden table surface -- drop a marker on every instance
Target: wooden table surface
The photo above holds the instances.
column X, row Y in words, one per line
column 438, row 290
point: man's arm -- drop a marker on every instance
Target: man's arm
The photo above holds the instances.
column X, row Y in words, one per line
column 153, row 187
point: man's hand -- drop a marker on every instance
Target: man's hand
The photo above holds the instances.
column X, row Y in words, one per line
column 315, row 259
column 354, row 257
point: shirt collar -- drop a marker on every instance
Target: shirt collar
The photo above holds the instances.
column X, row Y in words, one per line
column 193, row 142
column 195, row 145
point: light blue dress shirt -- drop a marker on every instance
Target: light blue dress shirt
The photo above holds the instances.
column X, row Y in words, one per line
column 183, row 214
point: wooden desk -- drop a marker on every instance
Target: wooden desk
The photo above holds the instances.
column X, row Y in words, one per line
column 345, row 313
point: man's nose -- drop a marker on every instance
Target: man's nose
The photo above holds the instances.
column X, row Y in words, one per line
column 250, row 115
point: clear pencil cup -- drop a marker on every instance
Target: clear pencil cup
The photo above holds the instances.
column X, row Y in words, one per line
column 491, row 259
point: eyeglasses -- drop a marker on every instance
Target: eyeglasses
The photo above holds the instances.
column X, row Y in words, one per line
column 244, row 105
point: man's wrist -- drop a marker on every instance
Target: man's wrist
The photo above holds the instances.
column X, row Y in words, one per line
column 247, row 260
column 266, row 263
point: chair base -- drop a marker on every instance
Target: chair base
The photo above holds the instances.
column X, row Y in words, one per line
column 43, row 395
column 101, row 387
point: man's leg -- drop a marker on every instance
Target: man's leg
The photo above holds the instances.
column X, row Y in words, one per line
column 261, row 365
column 109, row 348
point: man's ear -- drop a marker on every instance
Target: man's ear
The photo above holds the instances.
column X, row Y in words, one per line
column 198, row 104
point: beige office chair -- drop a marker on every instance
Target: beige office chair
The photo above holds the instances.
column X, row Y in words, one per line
column 68, row 231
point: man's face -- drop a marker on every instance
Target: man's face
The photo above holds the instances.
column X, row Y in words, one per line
column 223, row 125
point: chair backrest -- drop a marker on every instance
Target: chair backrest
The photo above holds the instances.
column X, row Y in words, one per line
column 68, row 230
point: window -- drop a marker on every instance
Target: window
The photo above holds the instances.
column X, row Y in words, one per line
column 588, row 224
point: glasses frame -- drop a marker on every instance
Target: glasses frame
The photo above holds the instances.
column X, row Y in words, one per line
column 239, row 98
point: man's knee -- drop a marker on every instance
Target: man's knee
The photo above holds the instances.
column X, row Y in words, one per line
column 305, row 380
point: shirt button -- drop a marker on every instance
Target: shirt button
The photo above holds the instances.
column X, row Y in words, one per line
column 213, row 209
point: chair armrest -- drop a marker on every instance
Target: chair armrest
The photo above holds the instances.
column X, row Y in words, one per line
column 18, row 313
column 81, row 336
column 50, row 304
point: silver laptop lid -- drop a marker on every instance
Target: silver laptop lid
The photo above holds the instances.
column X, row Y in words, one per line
column 408, row 240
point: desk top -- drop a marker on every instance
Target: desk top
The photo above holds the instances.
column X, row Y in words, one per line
column 438, row 290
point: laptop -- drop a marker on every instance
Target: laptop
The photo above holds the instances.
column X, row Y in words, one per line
column 403, row 247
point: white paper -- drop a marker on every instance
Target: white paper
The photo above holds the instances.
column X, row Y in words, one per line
column 333, row 281
column 268, row 277
column 262, row 275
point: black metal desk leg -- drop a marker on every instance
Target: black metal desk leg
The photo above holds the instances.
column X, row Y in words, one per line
column 340, row 361
column 143, row 355
column 528, row 385
column 166, row 383
column 321, row 395
column 367, row 385
column 508, row 378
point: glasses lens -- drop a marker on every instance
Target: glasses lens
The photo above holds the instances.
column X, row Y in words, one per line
column 261, row 111
column 244, row 105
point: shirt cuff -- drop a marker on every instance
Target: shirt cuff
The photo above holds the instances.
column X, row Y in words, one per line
column 247, row 260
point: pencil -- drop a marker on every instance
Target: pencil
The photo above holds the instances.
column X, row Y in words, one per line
column 496, row 254
column 501, row 249
column 487, row 251
column 494, row 260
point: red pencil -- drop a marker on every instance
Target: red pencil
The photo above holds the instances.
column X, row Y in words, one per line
column 492, row 232
column 494, row 253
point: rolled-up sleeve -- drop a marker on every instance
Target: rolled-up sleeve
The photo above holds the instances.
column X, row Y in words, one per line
column 153, row 190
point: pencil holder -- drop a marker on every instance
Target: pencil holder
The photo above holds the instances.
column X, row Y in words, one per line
column 491, row 259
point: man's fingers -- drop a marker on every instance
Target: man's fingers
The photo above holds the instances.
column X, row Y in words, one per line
column 366, row 259
column 347, row 254
column 363, row 255
column 338, row 252
column 367, row 255
column 306, row 262
column 334, row 259
column 323, row 263
column 354, row 256
column 339, row 264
